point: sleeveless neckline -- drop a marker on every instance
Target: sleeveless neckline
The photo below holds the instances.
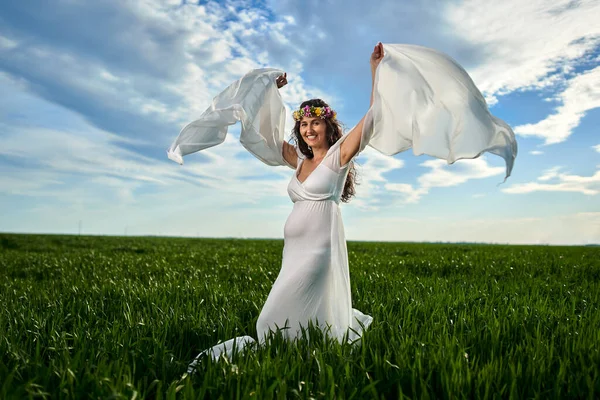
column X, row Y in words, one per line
column 309, row 175
column 320, row 162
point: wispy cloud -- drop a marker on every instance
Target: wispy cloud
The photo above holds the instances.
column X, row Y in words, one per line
column 582, row 94
column 536, row 45
column 555, row 181
column 550, row 174
column 97, row 156
column 139, row 69
column 371, row 177
column 443, row 175
column 527, row 45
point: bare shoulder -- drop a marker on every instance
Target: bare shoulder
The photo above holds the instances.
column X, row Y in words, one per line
column 290, row 155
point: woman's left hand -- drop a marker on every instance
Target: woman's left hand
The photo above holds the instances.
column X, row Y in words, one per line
column 376, row 56
column 281, row 80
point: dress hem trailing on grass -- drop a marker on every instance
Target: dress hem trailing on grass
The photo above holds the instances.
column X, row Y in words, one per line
column 240, row 344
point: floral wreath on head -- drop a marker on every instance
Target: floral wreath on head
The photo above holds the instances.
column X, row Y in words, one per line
column 312, row 111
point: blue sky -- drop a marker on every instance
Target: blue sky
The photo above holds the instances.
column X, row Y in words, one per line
column 93, row 93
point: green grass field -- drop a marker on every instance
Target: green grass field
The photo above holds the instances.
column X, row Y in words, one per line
column 109, row 317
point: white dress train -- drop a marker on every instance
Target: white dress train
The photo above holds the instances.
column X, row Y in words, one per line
column 422, row 100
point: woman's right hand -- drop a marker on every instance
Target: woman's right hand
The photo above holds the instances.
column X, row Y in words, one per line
column 376, row 56
column 281, row 80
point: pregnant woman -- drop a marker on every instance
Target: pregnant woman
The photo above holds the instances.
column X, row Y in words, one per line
column 420, row 99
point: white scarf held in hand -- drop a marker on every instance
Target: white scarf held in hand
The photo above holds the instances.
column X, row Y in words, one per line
column 422, row 99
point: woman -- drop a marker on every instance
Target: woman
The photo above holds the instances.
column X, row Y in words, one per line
column 314, row 283
column 420, row 98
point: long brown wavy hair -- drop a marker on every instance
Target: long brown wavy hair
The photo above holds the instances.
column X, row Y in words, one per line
column 333, row 133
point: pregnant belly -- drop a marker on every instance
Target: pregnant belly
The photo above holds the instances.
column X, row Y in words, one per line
column 309, row 222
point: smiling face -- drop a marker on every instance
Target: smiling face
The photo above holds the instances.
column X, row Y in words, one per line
column 313, row 131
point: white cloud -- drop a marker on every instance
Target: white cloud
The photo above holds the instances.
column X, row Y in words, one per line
column 536, row 152
column 94, row 153
column 53, row 157
column 443, row 175
column 7, row 44
column 535, row 45
column 550, row 174
column 371, row 177
column 581, row 95
column 172, row 60
column 411, row 195
column 376, row 165
column 15, row 184
column 528, row 45
column 597, row 148
column 61, row 177
column 559, row 182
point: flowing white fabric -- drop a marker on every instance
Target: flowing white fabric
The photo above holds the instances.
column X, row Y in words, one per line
column 253, row 100
column 425, row 100
column 422, row 99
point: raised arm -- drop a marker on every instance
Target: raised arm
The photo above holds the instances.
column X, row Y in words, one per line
column 288, row 151
column 290, row 155
column 351, row 144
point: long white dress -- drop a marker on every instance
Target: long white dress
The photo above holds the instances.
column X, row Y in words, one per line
column 422, row 99
column 314, row 281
